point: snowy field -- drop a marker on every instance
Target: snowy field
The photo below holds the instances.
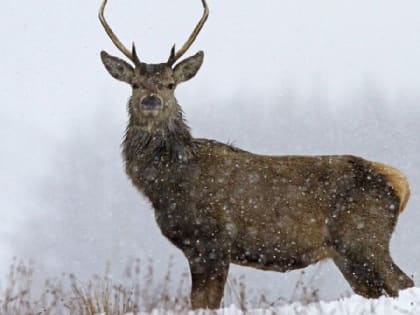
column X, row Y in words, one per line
column 407, row 303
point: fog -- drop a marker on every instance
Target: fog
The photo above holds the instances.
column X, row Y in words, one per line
column 279, row 77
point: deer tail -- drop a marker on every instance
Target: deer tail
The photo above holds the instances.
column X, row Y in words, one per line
column 397, row 180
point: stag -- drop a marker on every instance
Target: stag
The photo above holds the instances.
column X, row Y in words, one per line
column 221, row 205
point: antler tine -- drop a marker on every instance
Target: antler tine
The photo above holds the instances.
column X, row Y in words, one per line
column 176, row 55
column 111, row 34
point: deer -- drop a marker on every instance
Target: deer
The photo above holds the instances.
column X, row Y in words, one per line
column 221, row 205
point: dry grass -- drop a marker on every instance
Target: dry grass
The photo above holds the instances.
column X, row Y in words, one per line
column 138, row 291
column 67, row 295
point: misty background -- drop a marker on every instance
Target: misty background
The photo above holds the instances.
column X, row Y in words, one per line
column 279, row 77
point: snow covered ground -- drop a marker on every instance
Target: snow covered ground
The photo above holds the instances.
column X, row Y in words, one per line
column 408, row 304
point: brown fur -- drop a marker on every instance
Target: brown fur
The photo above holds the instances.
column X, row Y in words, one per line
column 221, row 205
column 397, row 180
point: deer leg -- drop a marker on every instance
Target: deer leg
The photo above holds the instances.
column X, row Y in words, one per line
column 365, row 260
column 370, row 278
column 393, row 279
column 404, row 281
column 361, row 232
column 208, row 279
column 361, row 281
column 369, row 268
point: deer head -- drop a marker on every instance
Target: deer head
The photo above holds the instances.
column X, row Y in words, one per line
column 153, row 102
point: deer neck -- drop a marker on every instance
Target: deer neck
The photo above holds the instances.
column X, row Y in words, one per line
column 169, row 143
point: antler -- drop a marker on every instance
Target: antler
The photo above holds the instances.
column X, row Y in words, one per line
column 130, row 55
column 176, row 55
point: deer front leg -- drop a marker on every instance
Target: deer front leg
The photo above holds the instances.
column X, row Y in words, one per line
column 208, row 277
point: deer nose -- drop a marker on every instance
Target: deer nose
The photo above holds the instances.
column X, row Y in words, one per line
column 151, row 102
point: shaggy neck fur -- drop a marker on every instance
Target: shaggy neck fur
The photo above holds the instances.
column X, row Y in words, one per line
column 163, row 141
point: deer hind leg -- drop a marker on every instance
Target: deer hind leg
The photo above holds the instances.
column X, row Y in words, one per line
column 371, row 278
column 396, row 279
column 359, row 279
column 361, row 232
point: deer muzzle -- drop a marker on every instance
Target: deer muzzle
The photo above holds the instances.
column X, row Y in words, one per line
column 151, row 102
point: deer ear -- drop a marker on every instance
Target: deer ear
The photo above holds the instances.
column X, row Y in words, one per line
column 188, row 68
column 117, row 67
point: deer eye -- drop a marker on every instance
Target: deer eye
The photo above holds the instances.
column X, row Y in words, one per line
column 135, row 86
column 171, row 86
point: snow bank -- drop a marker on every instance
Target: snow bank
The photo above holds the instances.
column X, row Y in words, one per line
column 407, row 304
